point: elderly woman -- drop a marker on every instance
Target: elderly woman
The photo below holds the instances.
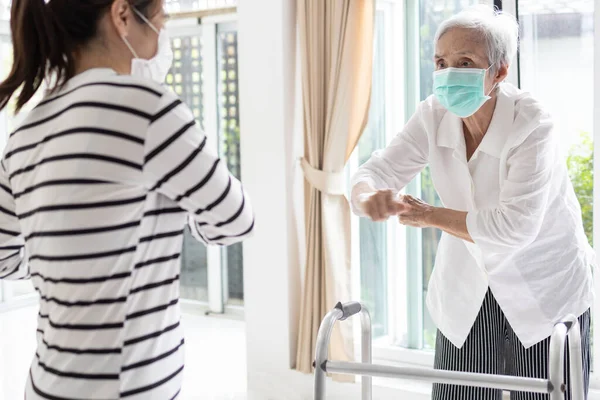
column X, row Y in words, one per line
column 513, row 258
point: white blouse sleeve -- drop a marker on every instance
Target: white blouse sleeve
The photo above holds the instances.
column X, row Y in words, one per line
column 396, row 165
column 517, row 221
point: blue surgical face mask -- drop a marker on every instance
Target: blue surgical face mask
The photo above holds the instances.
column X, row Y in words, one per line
column 461, row 90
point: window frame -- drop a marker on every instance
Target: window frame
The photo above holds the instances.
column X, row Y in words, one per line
column 208, row 28
column 398, row 277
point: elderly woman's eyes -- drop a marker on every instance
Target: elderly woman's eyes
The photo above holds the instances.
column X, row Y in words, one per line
column 440, row 64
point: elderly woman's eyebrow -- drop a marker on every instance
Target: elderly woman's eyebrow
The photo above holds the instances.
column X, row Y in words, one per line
column 467, row 54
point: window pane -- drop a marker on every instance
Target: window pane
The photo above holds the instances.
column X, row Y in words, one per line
column 186, row 76
column 373, row 235
column 185, row 79
column 556, row 65
column 229, row 144
column 194, row 269
column 431, row 14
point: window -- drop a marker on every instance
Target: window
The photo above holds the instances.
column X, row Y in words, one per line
column 431, row 14
column 373, row 235
column 550, row 33
column 186, row 80
column 205, row 76
column 555, row 32
column 377, row 278
column 229, row 145
column 394, row 278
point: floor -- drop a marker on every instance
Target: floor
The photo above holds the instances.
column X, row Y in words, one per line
column 215, row 355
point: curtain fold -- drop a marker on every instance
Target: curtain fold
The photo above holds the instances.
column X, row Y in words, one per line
column 336, row 42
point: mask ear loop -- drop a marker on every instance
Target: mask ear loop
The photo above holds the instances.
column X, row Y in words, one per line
column 129, row 46
column 495, row 84
column 146, row 20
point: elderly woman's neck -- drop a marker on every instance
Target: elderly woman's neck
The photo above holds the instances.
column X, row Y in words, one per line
column 477, row 125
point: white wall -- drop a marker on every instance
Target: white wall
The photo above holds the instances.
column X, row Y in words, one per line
column 267, row 117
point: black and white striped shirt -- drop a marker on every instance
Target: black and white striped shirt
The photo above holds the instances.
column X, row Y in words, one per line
column 96, row 186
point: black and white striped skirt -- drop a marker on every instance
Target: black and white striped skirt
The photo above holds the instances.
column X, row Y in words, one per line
column 493, row 348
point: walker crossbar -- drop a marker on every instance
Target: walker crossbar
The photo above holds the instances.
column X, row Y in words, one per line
column 555, row 385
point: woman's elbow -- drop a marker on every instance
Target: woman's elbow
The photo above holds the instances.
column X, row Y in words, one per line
column 506, row 232
column 244, row 230
column 521, row 233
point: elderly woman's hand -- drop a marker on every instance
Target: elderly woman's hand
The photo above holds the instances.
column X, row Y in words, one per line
column 414, row 212
column 380, row 205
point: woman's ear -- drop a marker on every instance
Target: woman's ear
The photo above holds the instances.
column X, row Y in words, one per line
column 121, row 16
column 501, row 74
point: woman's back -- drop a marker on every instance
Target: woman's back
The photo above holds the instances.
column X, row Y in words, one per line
column 99, row 181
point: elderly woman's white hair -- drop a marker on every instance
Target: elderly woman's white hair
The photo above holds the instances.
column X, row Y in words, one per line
column 499, row 30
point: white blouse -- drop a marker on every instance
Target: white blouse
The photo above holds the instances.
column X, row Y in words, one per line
column 523, row 215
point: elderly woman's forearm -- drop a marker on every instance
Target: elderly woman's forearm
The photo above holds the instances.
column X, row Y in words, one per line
column 450, row 221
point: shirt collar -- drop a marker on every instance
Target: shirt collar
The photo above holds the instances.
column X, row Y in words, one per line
column 89, row 76
column 450, row 132
column 500, row 127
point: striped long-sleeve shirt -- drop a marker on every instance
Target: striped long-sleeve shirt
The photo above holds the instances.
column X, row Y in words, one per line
column 96, row 187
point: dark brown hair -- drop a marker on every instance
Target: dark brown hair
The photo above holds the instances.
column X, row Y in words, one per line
column 45, row 36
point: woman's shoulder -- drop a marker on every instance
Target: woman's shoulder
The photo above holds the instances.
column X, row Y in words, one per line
column 129, row 92
column 527, row 107
column 131, row 87
column 102, row 92
column 532, row 120
column 103, row 86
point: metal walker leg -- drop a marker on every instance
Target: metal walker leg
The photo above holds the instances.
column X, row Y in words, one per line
column 554, row 385
column 569, row 327
column 342, row 312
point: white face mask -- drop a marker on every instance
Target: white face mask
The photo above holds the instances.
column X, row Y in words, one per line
column 158, row 66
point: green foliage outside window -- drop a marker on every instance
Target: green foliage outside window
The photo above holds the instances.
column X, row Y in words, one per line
column 580, row 163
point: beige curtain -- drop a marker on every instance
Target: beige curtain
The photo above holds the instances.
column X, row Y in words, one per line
column 336, row 41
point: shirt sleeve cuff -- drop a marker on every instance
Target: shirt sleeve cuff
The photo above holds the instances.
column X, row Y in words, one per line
column 354, row 201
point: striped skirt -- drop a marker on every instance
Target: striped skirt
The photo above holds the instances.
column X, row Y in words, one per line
column 493, row 348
